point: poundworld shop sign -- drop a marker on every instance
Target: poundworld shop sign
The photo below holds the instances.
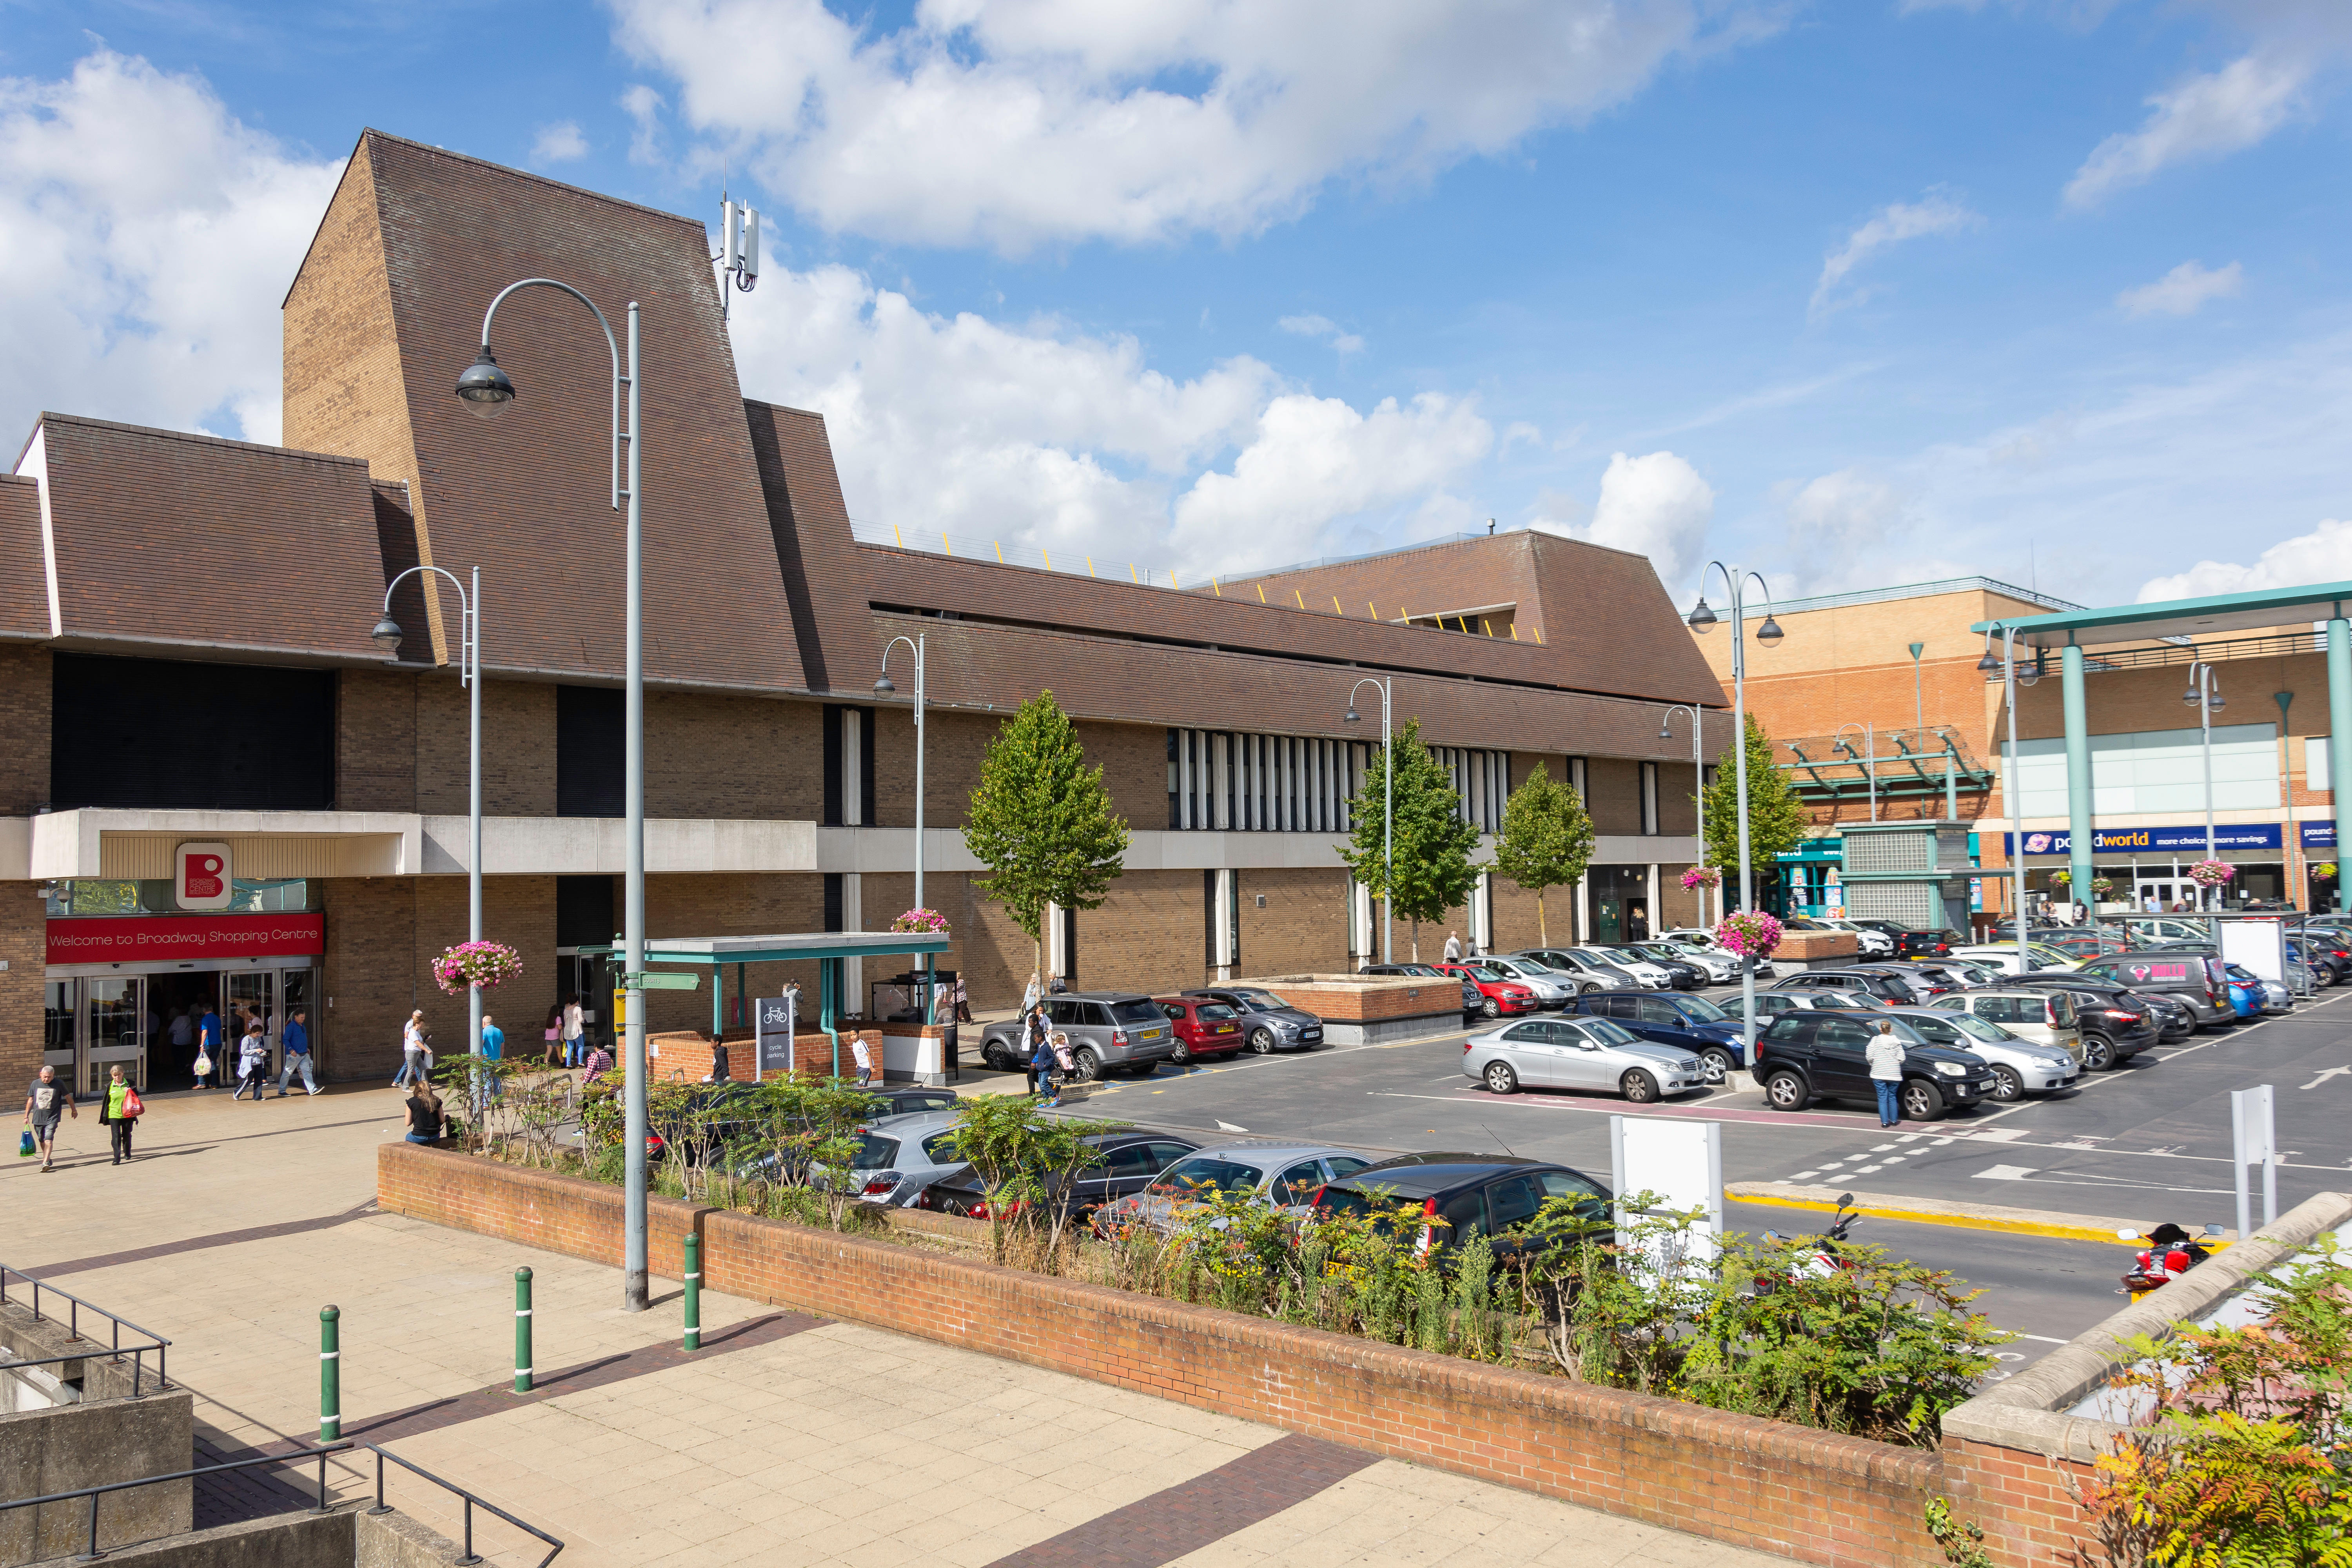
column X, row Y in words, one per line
column 2154, row 840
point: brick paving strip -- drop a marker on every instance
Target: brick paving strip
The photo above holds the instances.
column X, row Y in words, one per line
column 1200, row 1512
column 200, row 1243
column 238, row 1495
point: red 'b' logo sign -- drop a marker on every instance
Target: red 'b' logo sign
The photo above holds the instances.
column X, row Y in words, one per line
column 200, row 877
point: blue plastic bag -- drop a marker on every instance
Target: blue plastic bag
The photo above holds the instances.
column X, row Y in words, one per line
column 25, row 1147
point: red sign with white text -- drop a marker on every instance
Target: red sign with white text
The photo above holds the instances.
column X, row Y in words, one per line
column 168, row 938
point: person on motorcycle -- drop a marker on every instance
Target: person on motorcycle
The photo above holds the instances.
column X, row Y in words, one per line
column 2171, row 1252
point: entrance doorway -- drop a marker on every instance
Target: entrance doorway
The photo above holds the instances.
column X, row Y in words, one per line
column 180, row 1001
column 89, row 1027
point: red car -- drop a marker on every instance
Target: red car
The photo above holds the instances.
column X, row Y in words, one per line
column 1204, row 1029
column 1503, row 995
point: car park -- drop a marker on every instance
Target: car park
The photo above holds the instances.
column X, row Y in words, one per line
column 1692, row 1024
column 1552, row 988
column 1499, row 994
column 2104, row 1033
column 1770, row 1004
column 1805, row 1057
column 1592, row 973
column 1278, row 1175
column 2172, row 1019
column 1680, row 975
column 1648, row 976
column 1888, row 986
column 1911, row 942
column 1205, row 1030
column 2328, row 962
column 1925, row 979
column 1598, row 1055
column 1269, row 1023
column 1111, row 1032
column 2198, row 982
column 1462, row 1197
column 1696, row 937
column 2298, row 974
column 1119, row 1165
column 2019, row 1066
column 1471, row 998
column 1719, row 966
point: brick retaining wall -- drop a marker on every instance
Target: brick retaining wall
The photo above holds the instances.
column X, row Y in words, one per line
column 1839, row 1501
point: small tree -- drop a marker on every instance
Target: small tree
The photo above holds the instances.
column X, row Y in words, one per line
column 1433, row 840
column 1777, row 819
column 1547, row 839
column 1041, row 820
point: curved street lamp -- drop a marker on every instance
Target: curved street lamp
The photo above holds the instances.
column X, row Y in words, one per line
column 2006, row 662
column 2204, row 695
column 1702, row 620
column 1699, row 784
column 1387, row 808
column 486, row 390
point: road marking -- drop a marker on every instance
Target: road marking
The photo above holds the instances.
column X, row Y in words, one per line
column 2042, row 1339
column 1881, row 1148
column 2323, row 1078
column 2006, row 1173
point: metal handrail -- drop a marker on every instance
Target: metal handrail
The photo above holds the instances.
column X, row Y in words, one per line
column 156, row 1342
column 470, row 1556
column 94, row 1493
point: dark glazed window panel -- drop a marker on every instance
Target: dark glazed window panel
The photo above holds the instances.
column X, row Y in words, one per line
column 165, row 733
column 585, row 912
column 590, row 727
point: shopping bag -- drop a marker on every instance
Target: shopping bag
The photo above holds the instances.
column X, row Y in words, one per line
column 25, row 1148
column 204, row 1065
column 132, row 1105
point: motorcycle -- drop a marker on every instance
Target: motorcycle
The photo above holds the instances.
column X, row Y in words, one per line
column 1822, row 1261
column 2170, row 1253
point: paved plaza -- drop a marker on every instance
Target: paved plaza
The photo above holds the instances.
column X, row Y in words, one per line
column 786, row 1440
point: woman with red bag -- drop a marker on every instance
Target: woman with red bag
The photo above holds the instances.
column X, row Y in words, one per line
column 122, row 1107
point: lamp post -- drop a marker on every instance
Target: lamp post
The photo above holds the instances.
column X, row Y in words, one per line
column 2203, row 696
column 486, row 390
column 883, row 687
column 2007, row 665
column 1702, row 620
column 1869, row 763
column 387, row 634
column 1698, row 781
column 1388, row 809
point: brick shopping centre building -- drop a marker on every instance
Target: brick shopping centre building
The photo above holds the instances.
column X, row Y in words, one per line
column 186, row 661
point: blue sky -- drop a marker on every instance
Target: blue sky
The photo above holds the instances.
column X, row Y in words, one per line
column 1858, row 293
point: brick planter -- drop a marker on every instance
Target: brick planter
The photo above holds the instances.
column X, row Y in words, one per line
column 1840, row 1502
column 686, row 1054
column 1367, row 1009
column 1816, row 949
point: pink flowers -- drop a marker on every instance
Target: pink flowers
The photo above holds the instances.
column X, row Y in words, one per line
column 920, row 921
column 1702, row 877
column 1748, row 935
column 482, row 963
column 2211, row 873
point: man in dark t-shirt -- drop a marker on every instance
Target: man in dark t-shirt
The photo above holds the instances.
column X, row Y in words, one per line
column 47, row 1102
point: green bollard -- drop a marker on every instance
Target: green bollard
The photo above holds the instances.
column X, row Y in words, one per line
column 694, row 1292
column 522, row 1331
column 330, row 1380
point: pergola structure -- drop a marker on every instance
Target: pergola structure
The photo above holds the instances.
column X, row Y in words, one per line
column 827, row 947
column 2182, row 620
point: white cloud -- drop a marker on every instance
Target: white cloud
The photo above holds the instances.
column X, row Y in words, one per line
column 1016, row 123
column 558, row 143
column 2323, row 556
column 2207, row 116
column 1071, row 443
column 1656, row 506
column 2183, row 290
column 1841, row 511
column 644, row 105
column 1937, row 213
column 1322, row 327
column 147, row 236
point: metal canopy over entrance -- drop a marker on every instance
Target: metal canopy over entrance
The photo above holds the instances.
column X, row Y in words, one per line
column 2183, row 620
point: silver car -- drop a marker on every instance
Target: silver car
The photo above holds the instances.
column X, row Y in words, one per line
column 1590, row 973
column 1580, row 1052
column 898, row 1156
column 1770, row 1004
column 1111, row 1032
column 2019, row 1066
column 1719, row 965
column 1277, row 1174
column 1553, row 989
column 1705, row 939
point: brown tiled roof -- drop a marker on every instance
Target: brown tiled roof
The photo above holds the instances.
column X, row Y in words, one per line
column 23, row 575
column 167, row 538
column 811, row 525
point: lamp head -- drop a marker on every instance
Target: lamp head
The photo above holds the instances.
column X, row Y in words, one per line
column 1770, row 632
column 883, row 687
column 1701, row 619
column 1665, row 730
column 485, row 388
column 1350, row 716
column 1992, row 660
column 387, row 632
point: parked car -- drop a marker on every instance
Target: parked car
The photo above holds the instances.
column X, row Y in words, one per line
column 1277, row 1174
column 2172, row 1020
column 1875, row 943
column 2198, row 982
column 1110, row 1032
column 2146, row 929
column 2298, row 974
column 2104, row 1033
column 1692, row 1024
column 1649, row 977
column 2328, row 963
column 1491, row 1195
column 1680, row 975
column 1925, row 979
column 1471, row 998
column 1770, row 1004
column 1598, row 1053
column 1268, row 1023
column 1592, row 973
column 899, row 1156
column 1698, row 937
column 1122, row 1164
column 1718, row 965
column 1499, row 994
column 906, row 1100
column 1805, row 1057
column 2004, row 956
column 1552, row 988
column 1205, row 1030
column 1888, row 986
column 2019, row 1066
column 1912, row 943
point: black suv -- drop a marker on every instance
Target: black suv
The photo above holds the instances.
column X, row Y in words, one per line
column 1885, row 985
column 1474, row 1001
column 1119, row 1165
column 2122, row 1020
column 1910, row 943
column 1810, row 1056
column 1491, row 1195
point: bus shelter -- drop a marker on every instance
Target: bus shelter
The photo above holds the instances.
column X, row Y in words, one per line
column 828, row 948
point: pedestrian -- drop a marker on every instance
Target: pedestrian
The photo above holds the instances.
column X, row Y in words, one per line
column 252, row 1061
column 211, row 1056
column 1041, row 1053
column 48, row 1101
column 2082, row 913
column 122, row 1108
column 553, row 1034
column 858, row 1049
column 1058, row 986
column 962, row 1002
column 1066, row 1068
column 1886, row 1072
column 1452, row 948
column 181, row 1030
column 1029, row 997
column 494, row 1050
column 297, row 1043
column 599, row 1062
column 576, row 1028
column 424, row 1114
column 412, row 1050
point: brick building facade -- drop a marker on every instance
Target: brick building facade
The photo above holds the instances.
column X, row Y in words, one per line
column 151, row 705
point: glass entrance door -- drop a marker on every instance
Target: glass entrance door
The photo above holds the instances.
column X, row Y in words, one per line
column 251, row 994
column 115, row 1028
column 60, row 1012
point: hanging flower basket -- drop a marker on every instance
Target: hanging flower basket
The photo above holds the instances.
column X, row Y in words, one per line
column 920, row 921
column 2211, row 873
column 1702, row 877
column 2324, row 870
column 482, row 963
column 2102, row 885
column 1748, row 935
column 2062, row 877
